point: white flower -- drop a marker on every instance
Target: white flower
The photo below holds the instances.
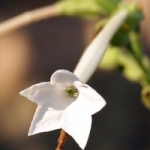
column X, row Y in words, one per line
column 65, row 103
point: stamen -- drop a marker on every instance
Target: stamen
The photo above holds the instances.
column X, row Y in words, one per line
column 72, row 91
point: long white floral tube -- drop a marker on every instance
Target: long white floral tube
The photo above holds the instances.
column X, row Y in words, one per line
column 95, row 51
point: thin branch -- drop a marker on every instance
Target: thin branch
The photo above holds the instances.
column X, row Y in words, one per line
column 62, row 140
column 28, row 18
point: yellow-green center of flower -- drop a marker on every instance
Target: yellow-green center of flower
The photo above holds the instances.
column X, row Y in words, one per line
column 72, row 91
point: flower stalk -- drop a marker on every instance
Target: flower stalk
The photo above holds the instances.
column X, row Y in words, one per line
column 62, row 139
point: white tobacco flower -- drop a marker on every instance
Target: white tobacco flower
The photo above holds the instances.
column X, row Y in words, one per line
column 65, row 103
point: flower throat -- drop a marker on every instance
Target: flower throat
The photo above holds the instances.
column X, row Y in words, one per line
column 72, row 91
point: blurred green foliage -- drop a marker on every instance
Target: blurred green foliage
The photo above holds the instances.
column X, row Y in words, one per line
column 108, row 5
column 80, row 8
column 87, row 8
column 116, row 58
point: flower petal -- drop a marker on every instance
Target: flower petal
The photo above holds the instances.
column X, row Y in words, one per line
column 63, row 77
column 46, row 119
column 47, row 94
column 88, row 101
column 78, row 126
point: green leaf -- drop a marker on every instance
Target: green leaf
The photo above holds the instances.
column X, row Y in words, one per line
column 108, row 5
column 110, row 60
column 131, row 70
column 82, row 8
column 116, row 58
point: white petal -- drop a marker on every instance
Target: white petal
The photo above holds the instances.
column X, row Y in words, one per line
column 46, row 119
column 88, row 101
column 78, row 126
column 63, row 77
column 46, row 94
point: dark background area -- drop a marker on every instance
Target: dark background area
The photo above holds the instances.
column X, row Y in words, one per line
column 31, row 54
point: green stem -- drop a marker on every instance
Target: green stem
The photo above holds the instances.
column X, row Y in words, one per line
column 135, row 41
column 136, row 52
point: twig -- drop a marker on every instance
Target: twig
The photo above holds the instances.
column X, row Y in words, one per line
column 28, row 18
column 62, row 139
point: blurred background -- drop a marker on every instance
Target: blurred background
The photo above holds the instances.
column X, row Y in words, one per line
column 31, row 54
